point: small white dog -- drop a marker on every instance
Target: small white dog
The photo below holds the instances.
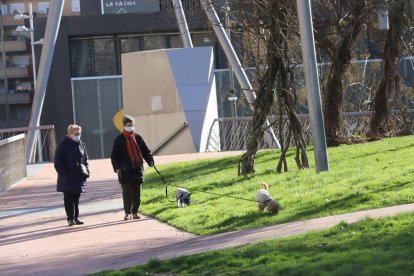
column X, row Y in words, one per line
column 183, row 197
column 265, row 200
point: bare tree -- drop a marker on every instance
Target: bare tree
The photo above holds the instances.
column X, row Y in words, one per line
column 270, row 36
column 398, row 23
column 338, row 24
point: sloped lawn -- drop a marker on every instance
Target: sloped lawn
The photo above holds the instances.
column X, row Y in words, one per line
column 369, row 247
column 363, row 176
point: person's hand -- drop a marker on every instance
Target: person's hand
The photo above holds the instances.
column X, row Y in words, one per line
column 151, row 164
column 118, row 171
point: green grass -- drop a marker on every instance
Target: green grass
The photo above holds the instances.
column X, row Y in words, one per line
column 369, row 247
column 362, row 176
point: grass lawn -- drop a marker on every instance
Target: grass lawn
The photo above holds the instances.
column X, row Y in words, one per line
column 369, row 247
column 362, row 176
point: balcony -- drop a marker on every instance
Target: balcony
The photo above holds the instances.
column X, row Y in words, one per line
column 15, row 46
column 16, row 98
column 15, row 72
column 9, row 20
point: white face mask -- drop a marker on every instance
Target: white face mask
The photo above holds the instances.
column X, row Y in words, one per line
column 76, row 138
column 130, row 129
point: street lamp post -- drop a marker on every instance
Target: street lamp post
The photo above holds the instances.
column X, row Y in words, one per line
column 310, row 69
column 51, row 32
column 32, row 43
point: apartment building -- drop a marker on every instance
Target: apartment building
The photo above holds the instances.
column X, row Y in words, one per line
column 16, row 58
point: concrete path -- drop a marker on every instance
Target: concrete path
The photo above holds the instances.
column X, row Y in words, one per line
column 34, row 238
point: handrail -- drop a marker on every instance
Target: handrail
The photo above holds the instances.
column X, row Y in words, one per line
column 17, row 129
column 169, row 137
column 11, row 139
column 304, row 115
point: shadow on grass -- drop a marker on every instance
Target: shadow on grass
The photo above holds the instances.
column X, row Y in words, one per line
column 369, row 247
column 192, row 170
column 383, row 151
column 347, row 202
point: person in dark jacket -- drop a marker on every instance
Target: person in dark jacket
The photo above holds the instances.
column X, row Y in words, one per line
column 128, row 154
column 71, row 164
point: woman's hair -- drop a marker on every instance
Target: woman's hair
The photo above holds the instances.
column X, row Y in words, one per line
column 73, row 127
column 127, row 119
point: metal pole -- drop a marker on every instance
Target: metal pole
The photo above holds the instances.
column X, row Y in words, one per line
column 236, row 65
column 4, row 64
column 31, row 43
column 310, row 69
column 39, row 133
column 182, row 24
column 228, row 31
column 51, row 33
column 231, row 76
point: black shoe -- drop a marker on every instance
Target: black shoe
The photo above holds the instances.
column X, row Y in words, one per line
column 71, row 222
column 78, row 222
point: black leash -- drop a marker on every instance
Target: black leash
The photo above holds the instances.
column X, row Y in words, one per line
column 210, row 193
column 165, row 184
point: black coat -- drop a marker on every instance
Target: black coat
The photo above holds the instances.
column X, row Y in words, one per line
column 121, row 161
column 69, row 154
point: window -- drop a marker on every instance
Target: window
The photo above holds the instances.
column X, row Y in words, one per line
column 43, row 7
column 76, row 6
column 16, row 8
column 20, row 61
column 101, row 56
column 93, row 57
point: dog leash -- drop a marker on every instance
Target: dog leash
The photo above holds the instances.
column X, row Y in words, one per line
column 165, row 184
column 210, row 193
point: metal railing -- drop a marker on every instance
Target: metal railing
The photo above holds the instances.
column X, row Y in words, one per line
column 45, row 144
column 233, row 133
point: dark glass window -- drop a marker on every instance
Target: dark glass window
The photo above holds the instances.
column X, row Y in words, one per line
column 93, row 57
column 101, row 56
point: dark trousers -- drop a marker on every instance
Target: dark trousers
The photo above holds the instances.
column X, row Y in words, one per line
column 131, row 194
column 71, row 205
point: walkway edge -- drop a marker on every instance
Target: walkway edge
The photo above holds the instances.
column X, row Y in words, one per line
column 244, row 237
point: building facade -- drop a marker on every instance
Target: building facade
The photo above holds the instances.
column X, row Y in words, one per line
column 16, row 59
column 85, row 83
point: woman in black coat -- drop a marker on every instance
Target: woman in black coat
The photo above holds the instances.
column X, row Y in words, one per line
column 128, row 155
column 71, row 164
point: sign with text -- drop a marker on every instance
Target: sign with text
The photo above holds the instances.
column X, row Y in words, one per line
column 129, row 6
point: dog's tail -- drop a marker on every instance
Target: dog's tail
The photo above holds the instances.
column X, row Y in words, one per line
column 265, row 186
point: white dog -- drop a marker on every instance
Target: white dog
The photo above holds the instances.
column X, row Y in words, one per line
column 265, row 200
column 183, row 197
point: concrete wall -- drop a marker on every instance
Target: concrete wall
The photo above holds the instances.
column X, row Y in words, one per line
column 167, row 89
column 12, row 161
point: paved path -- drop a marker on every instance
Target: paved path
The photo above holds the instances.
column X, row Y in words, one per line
column 34, row 238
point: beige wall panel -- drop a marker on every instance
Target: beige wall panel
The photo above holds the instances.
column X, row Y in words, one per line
column 149, row 70
column 144, row 126
column 182, row 143
column 156, row 128
column 139, row 102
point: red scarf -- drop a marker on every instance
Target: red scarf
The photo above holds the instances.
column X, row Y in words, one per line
column 133, row 149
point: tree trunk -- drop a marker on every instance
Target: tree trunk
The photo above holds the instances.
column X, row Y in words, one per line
column 379, row 120
column 334, row 87
column 336, row 36
column 262, row 106
column 287, row 101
